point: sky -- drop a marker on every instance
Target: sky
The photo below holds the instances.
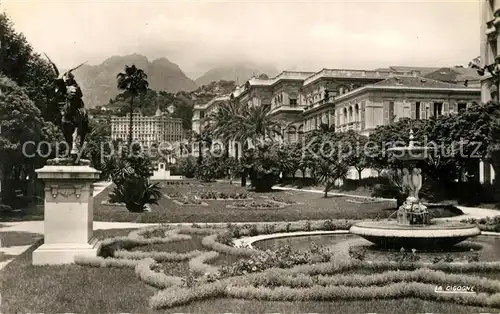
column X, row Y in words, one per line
column 291, row 35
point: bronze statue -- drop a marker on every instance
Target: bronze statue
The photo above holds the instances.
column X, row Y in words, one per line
column 74, row 116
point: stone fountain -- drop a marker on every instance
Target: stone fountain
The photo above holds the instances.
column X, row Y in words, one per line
column 413, row 227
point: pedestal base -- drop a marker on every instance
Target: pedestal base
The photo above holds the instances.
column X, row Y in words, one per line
column 64, row 253
column 413, row 213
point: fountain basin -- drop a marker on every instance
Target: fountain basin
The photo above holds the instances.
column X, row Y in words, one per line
column 392, row 235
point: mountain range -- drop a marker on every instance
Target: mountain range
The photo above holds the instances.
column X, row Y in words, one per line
column 98, row 82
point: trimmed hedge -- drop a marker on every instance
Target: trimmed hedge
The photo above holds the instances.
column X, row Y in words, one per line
column 320, row 281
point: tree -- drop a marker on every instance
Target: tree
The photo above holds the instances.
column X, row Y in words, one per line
column 330, row 158
column 255, row 123
column 224, row 123
column 98, row 143
column 21, row 126
column 28, row 69
column 386, row 136
column 263, row 164
column 203, row 140
column 291, row 155
column 133, row 81
column 358, row 143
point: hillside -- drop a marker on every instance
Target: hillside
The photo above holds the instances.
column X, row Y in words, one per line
column 239, row 72
column 98, row 82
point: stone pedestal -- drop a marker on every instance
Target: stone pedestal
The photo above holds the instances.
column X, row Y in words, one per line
column 68, row 212
column 413, row 212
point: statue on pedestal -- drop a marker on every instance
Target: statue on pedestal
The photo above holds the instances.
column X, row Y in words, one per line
column 74, row 116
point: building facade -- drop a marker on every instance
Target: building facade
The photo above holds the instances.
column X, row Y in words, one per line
column 365, row 108
column 148, row 130
column 489, row 41
column 490, row 60
column 357, row 100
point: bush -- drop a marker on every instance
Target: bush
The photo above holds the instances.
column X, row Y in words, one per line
column 207, row 171
column 135, row 193
column 263, row 182
column 391, row 186
column 188, row 166
column 263, row 164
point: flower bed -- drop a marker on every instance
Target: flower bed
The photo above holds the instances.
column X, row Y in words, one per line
column 282, row 200
column 285, row 274
column 173, row 195
column 189, row 201
column 221, row 196
column 485, row 224
column 108, row 203
column 257, row 205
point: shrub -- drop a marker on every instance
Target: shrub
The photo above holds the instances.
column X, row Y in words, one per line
column 253, row 231
column 135, row 193
column 257, row 205
column 391, row 186
column 207, row 170
column 357, row 253
column 329, row 225
column 263, row 164
column 225, row 238
column 187, row 166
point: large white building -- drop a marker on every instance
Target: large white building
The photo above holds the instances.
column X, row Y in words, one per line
column 489, row 39
column 148, row 130
column 490, row 60
column 357, row 100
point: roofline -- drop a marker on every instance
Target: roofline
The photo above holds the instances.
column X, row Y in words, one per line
column 437, row 89
column 371, row 87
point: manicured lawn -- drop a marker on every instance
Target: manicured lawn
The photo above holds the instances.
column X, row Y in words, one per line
column 32, row 212
column 72, row 288
column 15, row 238
column 309, row 206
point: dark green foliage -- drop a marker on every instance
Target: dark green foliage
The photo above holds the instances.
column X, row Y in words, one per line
column 391, row 186
column 263, row 164
column 136, row 193
column 187, row 166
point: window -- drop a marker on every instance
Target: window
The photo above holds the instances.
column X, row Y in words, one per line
column 417, row 110
column 356, row 113
column 292, row 135
column 202, row 114
column 293, row 102
column 438, row 109
column 461, row 106
column 391, row 112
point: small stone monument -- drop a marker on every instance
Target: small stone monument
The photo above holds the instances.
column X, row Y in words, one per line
column 68, row 212
column 68, row 207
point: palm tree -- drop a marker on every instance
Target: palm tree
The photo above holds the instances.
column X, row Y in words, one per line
column 223, row 122
column 205, row 137
column 256, row 124
column 133, row 81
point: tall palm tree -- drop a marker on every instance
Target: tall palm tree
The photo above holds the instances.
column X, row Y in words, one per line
column 255, row 123
column 203, row 138
column 133, row 81
column 224, row 124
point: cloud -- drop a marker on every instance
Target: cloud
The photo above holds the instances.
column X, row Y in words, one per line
column 288, row 34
